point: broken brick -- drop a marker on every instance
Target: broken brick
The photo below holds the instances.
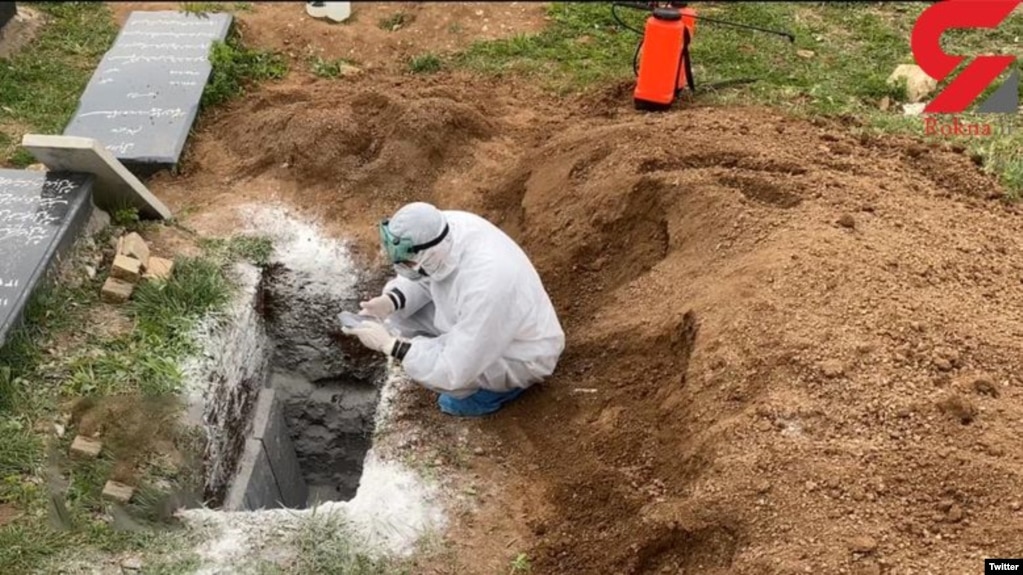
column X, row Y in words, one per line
column 126, row 268
column 85, row 447
column 132, row 245
column 118, row 491
column 159, row 268
column 116, row 291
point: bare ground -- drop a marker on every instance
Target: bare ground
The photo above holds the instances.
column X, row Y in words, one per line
column 789, row 347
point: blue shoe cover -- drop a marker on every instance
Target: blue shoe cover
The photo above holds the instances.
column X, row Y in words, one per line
column 483, row 402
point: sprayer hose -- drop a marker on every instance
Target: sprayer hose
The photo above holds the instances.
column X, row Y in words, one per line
column 621, row 23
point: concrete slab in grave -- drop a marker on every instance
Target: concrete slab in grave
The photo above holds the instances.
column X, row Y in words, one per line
column 145, row 93
column 41, row 215
column 115, row 187
column 254, row 487
column 269, row 427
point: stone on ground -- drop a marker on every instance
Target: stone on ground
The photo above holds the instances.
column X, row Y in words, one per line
column 159, row 268
column 126, row 268
column 118, row 491
column 85, row 447
column 918, row 84
column 116, row 291
column 133, row 246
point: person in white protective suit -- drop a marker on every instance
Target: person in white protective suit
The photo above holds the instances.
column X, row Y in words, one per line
column 474, row 321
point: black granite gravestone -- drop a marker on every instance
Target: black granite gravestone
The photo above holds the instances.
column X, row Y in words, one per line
column 8, row 10
column 145, row 93
column 41, row 215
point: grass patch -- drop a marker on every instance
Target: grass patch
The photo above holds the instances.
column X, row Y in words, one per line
column 121, row 385
column 235, row 68
column 212, row 7
column 839, row 64
column 425, row 64
column 395, row 21
column 40, row 85
column 329, row 68
column 324, row 544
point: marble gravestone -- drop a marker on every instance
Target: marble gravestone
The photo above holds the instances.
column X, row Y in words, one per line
column 145, row 93
column 41, row 216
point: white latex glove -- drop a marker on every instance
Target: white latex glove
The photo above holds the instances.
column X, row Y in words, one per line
column 379, row 307
column 372, row 335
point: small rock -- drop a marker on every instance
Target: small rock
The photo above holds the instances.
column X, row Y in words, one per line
column 862, row 544
column 90, row 272
column 36, row 167
column 805, row 53
column 763, row 486
column 131, row 564
column 943, row 364
column 59, row 429
column 126, row 268
column 84, row 447
column 832, row 368
column 918, row 83
column 116, row 291
column 885, row 104
column 984, row 386
column 955, row 514
column 132, row 245
column 913, row 109
column 811, row 486
column 847, row 221
column 159, row 268
column 478, row 451
column 118, row 491
column 1015, row 505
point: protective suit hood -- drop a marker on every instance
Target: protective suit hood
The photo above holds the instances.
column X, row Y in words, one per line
column 423, row 224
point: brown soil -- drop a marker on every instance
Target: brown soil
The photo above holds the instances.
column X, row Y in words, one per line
column 134, row 430
column 8, row 513
column 790, row 348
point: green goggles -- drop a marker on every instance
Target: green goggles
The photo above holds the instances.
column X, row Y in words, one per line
column 401, row 250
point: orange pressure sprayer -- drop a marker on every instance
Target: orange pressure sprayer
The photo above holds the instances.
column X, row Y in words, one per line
column 662, row 63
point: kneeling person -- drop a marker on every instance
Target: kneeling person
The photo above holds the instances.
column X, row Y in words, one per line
column 476, row 324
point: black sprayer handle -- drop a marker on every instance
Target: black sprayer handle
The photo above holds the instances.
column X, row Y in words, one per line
column 635, row 5
column 648, row 6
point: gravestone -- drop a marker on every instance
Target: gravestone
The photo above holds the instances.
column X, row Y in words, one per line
column 7, row 12
column 145, row 93
column 115, row 187
column 41, row 215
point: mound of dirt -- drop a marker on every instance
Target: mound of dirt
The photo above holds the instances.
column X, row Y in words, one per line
column 781, row 328
column 366, row 141
column 790, row 348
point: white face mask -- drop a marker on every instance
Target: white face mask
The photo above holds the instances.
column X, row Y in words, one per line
column 408, row 272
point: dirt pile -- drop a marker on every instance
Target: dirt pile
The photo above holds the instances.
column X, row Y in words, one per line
column 790, row 348
column 367, row 140
column 799, row 349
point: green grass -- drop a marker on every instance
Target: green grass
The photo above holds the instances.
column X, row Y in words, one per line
column 235, row 68
column 143, row 361
column 855, row 47
column 328, row 68
column 425, row 64
column 40, row 85
column 324, row 544
column 395, row 21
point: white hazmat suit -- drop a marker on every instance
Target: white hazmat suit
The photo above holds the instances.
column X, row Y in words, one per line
column 476, row 318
